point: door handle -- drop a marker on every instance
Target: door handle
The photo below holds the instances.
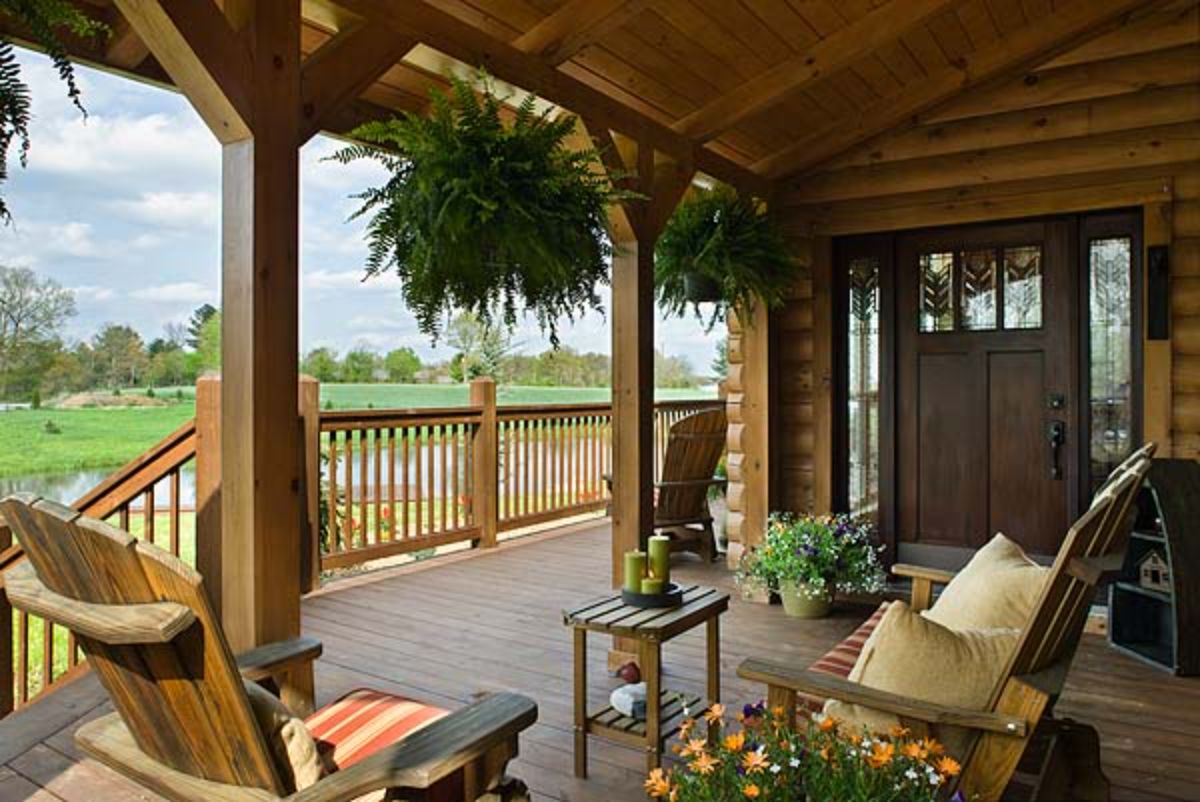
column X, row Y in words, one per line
column 1056, row 433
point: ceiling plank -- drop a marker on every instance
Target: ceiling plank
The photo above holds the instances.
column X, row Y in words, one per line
column 470, row 45
column 204, row 56
column 342, row 69
column 575, row 25
column 844, row 47
column 1073, row 22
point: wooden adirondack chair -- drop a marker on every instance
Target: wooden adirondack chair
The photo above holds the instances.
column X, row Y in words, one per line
column 694, row 447
column 1019, row 722
column 184, row 725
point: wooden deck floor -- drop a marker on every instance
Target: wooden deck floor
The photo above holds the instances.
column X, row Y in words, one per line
column 443, row 630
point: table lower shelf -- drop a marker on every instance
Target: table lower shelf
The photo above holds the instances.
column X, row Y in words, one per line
column 609, row 723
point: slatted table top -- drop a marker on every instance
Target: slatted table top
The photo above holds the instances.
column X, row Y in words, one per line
column 609, row 614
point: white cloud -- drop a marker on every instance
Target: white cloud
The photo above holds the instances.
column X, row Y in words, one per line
column 91, row 293
column 185, row 210
column 190, row 292
column 332, row 279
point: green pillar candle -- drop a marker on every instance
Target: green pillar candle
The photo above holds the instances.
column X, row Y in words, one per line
column 653, row 585
column 635, row 569
column 660, row 558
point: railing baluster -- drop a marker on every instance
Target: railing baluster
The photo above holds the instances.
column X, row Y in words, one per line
column 348, row 471
column 420, row 494
column 173, row 490
column 148, row 515
column 406, row 434
column 47, row 654
column 332, row 516
column 378, row 489
column 391, row 436
column 22, row 658
column 364, row 500
column 442, row 467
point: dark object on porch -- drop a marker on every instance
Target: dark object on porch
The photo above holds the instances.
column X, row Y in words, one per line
column 145, row 622
column 1151, row 624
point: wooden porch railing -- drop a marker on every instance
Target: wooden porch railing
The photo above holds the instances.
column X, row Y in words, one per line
column 390, row 482
column 144, row 498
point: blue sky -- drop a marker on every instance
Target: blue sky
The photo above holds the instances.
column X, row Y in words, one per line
column 123, row 208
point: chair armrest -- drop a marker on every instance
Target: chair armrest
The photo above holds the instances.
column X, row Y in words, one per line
column 269, row 659
column 692, row 483
column 432, row 753
column 814, row 683
column 154, row 622
column 934, row 575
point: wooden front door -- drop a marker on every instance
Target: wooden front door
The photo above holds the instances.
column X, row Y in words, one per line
column 987, row 385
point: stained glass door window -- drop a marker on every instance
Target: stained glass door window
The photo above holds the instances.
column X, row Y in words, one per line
column 862, row 396
column 1110, row 358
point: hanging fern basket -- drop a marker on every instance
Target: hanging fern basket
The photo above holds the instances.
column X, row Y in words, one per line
column 486, row 211
column 721, row 248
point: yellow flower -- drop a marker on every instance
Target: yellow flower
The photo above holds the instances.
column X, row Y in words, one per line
column 704, row 764
column 714, row 714
column 751, row 791
column 735, row 742
column 932, row 746
column 881, row 755
column 695, row 746
column 755, row 761
column 657, row 785
column 778, row 711
column 948, row 767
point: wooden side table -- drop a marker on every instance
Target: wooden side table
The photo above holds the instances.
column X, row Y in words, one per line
column 651, row 628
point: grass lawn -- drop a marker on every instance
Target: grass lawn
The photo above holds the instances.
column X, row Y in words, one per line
column 89, row 439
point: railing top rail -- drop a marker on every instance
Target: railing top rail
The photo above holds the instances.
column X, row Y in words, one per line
column 173, row 449
column 538, row 410
column 375, row 418
column 689, row 403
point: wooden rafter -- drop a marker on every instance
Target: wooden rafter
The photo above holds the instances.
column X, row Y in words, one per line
column 575, row 25
column 470, row 45
column 1019, row 50
column 125, row 48
column 342, row 69
column 825, row 57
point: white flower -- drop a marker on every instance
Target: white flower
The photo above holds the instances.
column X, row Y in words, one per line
column 910, row 774
column 794, row 762
column 776, row 768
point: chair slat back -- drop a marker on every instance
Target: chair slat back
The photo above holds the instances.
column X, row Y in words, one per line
column 694, row 447
column 183, row 701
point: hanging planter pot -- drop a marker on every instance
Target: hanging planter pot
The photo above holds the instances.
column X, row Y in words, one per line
column 701, row 289
column 722, row 248
column 486, row 212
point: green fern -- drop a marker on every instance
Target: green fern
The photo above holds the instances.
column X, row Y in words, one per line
column 479, row 215
column 42, row 19
column 721, row 235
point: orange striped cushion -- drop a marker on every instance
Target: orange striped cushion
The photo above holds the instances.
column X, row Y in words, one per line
column 841, row 658
column 365, row 721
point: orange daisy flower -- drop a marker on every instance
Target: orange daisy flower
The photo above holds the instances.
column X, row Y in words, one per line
column 751, row 791
column 948, row 767
column 735, row 741
column 704, row 764
column 829, row 724
column 695, row 746
column 657, row 785
column 914, row 750
column 881, row 755
column 714, row 714
column 755, row 761
column 932, row 746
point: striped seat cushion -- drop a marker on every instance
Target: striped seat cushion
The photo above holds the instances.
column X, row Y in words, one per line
column 365, row 721
column 839, row 660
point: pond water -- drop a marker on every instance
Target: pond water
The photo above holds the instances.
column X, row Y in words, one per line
column 67, row 487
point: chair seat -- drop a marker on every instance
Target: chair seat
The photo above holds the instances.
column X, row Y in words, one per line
column 364, row 721
column 839, row 660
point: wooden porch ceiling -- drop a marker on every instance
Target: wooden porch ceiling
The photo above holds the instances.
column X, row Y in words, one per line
column 753, row 90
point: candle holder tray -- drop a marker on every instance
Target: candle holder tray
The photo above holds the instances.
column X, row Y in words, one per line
column 671, row 597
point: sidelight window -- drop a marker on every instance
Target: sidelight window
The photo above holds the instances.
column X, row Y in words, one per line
column 862, row 395
column 937, row 291
column 1023, row 287
column 1110, row 354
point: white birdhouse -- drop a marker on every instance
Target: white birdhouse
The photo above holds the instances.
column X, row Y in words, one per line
column 1154, row 573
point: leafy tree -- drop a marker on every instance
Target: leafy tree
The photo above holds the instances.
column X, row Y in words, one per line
column 167, row 367
column 673, row 371
column 120, row 355
column 195, row 324
column 481, row 345
column 720, row 363
column 359, row 366
column 321, row 364
column 32, row 311
column 208, row 343
column 402, row 365
column 42, row 19
column 67, row 372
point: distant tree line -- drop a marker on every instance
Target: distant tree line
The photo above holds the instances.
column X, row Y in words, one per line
column 37, row 362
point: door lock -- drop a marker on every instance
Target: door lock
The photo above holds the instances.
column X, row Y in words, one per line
column 1056, row 433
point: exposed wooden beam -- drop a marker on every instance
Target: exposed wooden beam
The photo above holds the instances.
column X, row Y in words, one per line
column 1065, row 28
column 575, row 25
column 204, row 56
column 342, row 69
column 470, row 45
column 125, row 48
column 825, row 57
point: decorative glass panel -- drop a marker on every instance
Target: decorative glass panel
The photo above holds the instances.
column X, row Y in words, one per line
column 1110, row 338
column 1023, row 287
column 862, row 396
column 937, row 287
column 978, row 290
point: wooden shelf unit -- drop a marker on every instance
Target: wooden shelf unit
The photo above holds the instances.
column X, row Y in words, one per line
column 1155, row 626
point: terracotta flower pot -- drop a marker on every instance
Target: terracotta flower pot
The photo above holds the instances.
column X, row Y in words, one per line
column 800, row 602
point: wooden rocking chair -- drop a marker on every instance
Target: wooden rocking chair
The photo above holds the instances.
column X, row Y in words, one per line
column 1018, row 723
column 185, row 727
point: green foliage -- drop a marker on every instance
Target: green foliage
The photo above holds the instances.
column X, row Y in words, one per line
column 359, row 366
column 481, row 347
column 322, row 364
column 43, row 19
column 208, row 344
column 50, row 427
column 824, row 553
column 728, row 238
column 485, row 217
column 402, row 365
column 720, row 363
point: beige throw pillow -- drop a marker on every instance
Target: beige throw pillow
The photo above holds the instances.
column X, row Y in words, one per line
column 291, row 743
column 914, row 657
column 997, row 589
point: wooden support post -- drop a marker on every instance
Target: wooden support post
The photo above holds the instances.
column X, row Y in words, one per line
column 310, row 433
column 748, row 409
column 1156, row 354
column 208, row 486
column 6, row 639
column 485, row 492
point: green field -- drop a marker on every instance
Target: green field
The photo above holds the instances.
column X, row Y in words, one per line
column 89, row 439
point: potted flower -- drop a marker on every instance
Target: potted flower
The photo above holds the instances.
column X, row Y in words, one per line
column 486, row 212
column 765, row 757
column 807, row 559
column 723, row 248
